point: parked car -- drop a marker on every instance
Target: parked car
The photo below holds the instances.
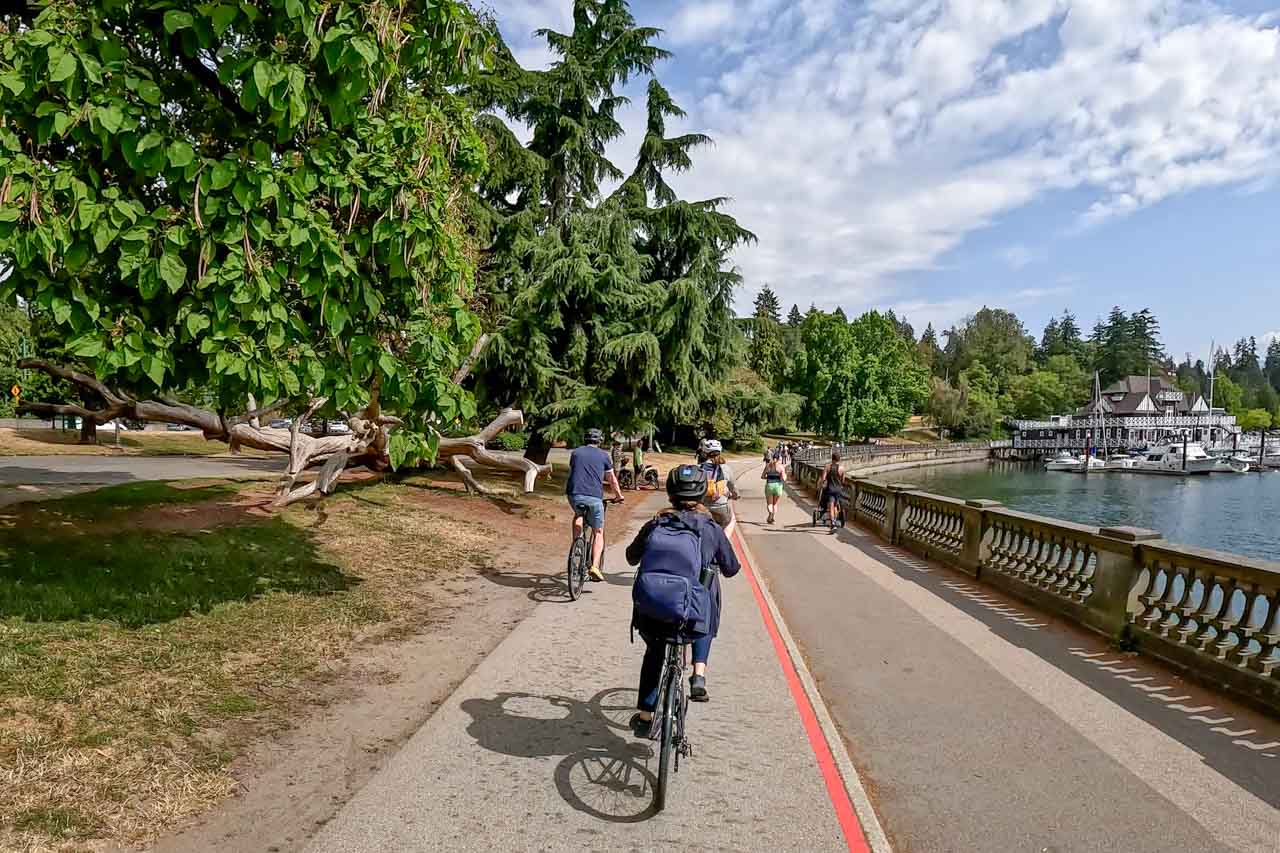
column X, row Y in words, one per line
column 180, row 428
column 281, row 423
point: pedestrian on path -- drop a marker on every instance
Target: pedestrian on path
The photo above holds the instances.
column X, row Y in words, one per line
column 678, row 543
column 774, row 474
column 832, row 489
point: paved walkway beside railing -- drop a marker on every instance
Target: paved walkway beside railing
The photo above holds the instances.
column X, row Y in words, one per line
column 1213, row 615
column 980, row 721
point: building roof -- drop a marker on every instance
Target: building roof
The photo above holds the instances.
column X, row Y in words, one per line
column 1140, row 395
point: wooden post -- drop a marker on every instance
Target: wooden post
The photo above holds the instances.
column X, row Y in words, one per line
column 1184, row 450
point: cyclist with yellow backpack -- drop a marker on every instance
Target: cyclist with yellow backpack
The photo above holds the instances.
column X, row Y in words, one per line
column 720, row 485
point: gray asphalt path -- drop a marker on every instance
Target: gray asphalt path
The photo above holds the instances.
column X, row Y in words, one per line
column 108, row 470
column 980, row 724
column 532, row 751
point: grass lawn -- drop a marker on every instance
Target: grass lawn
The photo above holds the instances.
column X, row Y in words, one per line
column 148, row 631
column 51, row 442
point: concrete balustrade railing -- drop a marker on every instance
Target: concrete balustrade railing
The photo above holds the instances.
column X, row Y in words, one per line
column 1214, row 615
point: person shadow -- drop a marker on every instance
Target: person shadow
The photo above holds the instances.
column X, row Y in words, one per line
column 604, row 772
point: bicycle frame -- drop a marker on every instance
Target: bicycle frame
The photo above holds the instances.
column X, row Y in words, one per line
column 674, row 706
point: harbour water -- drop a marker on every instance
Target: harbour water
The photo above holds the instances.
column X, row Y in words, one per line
column 1239, row 513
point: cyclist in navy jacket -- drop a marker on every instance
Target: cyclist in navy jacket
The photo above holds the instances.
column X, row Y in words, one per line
column 686, row 486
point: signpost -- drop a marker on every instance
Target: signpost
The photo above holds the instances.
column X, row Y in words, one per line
column 16, row 391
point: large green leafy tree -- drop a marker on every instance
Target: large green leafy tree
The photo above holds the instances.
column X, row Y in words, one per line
column 994, row 338
column 248, row 198
column 859, row 379
column 613, row 311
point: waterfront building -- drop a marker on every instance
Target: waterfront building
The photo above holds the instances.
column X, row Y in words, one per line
column 1137, row 411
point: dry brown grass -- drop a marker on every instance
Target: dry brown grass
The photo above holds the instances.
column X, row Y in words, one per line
column 115, row 734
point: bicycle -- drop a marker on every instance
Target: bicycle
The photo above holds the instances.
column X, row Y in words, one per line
column 580, row 550
column 673, row 743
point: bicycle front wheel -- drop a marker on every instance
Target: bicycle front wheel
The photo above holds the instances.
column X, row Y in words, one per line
column 577, row 567
column 670, row 707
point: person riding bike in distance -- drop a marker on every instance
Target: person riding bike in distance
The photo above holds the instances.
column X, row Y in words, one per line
column 589, row 468
column 676, row 595
column 720, row 485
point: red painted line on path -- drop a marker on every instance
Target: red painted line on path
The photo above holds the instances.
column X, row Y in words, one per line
column 845, row 814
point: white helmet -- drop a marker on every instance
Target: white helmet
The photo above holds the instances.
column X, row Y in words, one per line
column 710, row 446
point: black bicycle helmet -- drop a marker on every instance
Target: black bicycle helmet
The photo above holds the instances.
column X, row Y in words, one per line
column 687, row 483
column 594, row 436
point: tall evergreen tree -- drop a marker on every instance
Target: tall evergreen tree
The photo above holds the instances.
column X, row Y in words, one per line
column 610, row 311
column 1272, row 366
column 930, row 353
column 1144, row 342
column 767, row 305
column 1050, row 341
column 795, row 318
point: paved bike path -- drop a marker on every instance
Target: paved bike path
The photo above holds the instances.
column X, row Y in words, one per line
column 532, row 751
column 980, row 723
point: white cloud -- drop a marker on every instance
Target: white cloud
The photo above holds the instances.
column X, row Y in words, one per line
column 861, row 141
column 874, row 149
column 1017, row 257
column 697, row 21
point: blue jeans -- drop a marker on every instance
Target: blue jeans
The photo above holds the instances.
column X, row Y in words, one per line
column 655, row 656
column 595, row 509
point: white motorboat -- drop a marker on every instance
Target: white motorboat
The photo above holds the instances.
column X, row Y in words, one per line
column 1121, row 462
column 1064, row 461
column 1239, row 465
column 1168, row 459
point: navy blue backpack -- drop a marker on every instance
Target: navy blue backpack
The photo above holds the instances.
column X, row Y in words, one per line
column 668, row 588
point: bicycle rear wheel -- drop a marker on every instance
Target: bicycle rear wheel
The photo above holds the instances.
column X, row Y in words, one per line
column 577, row 567
column 670, row 708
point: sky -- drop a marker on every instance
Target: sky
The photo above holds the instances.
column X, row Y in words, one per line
column 936, row 156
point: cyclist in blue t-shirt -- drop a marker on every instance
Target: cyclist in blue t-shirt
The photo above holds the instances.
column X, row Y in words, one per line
column 589, row 469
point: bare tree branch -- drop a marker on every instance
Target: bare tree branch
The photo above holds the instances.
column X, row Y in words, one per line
column 82, row 379
column 464, row 369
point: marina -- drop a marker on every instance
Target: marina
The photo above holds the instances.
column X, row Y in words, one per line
column 1233, row 513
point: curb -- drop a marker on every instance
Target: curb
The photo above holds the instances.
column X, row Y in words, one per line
column 872, row 831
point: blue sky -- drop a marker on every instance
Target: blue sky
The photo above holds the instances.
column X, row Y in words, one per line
column 935, row 156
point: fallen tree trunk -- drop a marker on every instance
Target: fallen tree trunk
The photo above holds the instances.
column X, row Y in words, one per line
column 365, row 445
column 472, row 451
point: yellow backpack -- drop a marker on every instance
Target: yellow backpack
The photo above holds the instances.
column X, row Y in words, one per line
column 717, row 485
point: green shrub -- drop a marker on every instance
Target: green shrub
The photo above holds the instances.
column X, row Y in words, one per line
column 511, row 440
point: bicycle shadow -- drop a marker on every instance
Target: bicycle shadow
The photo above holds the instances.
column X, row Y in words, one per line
column 604, row 772
column 552, row 588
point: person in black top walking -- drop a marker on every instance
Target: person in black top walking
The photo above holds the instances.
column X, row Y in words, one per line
column 773, row 475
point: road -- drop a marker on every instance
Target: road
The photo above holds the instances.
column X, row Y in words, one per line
column 532, row 750
column 981, row 724
column 107, row 470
